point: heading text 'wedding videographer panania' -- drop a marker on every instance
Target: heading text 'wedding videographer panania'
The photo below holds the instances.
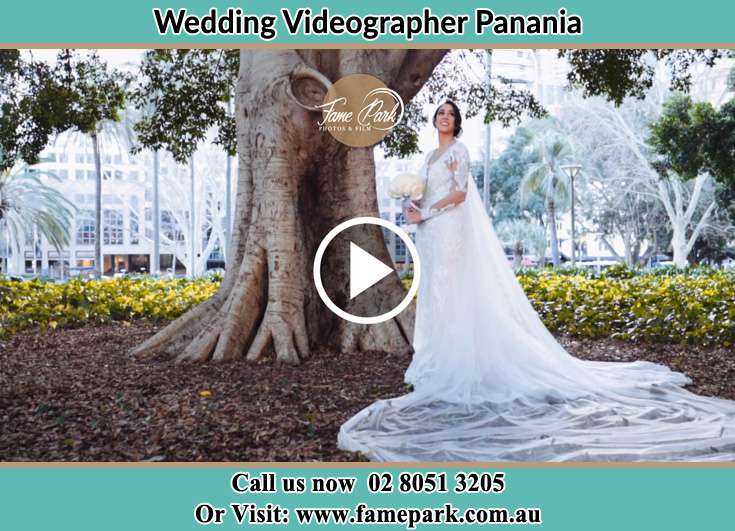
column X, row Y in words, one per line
column 369, row 27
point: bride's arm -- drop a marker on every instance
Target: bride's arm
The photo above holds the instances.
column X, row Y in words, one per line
column 459, row 164
column 453, row 199
column 445, row 203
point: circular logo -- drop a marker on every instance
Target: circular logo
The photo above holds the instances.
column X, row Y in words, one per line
column 367, row 269
column 359, row 110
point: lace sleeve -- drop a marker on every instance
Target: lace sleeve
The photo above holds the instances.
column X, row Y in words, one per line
column 458, row 162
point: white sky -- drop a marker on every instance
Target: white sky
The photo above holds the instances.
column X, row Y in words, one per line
column 114, row 58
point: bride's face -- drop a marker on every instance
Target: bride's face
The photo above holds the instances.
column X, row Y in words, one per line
column 445, row 119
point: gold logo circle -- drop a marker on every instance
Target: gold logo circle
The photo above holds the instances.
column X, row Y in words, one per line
column 359, row 110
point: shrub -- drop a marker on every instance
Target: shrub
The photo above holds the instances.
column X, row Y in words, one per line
column 694, row 306
column 691, row 305
column 36, row 303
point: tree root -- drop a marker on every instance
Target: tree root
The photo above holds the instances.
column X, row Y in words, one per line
column 225, row 335
column 222, row 328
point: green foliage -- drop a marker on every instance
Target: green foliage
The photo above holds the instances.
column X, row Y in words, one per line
column 677, row 135
column 693, row 138
column 695, row 304
column 26, row 201
column 666, row 305
column 31, row 108
column 522, row 236
column 498, row 102
column 403, row 139
column 617, row 74
column 92, row 92
column 720, row 144
column 183, row 93
column 546, row 176
column 506, row 173
column 38, row 100
column 26, row 305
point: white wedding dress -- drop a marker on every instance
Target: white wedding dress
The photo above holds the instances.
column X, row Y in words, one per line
column 492, row 384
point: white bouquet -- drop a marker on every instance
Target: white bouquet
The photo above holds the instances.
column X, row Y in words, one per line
column 407, row 186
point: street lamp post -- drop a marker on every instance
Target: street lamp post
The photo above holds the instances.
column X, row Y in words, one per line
column 572, row 170
column 192, row 219
column 488, row 137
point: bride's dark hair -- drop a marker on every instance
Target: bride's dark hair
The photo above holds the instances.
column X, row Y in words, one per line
column 457, row 117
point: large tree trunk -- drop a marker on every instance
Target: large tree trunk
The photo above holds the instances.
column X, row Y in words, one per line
column 295, row 184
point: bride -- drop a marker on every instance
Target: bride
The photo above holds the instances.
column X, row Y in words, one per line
column 490, row 381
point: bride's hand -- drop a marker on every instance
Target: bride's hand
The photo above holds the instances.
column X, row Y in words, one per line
column 413, row 216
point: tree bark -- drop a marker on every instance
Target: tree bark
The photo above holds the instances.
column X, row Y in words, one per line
column 295, row 184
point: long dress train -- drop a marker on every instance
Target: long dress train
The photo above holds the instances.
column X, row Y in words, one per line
column 491, row 383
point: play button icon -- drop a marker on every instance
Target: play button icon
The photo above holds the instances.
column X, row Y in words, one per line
column 366, row 272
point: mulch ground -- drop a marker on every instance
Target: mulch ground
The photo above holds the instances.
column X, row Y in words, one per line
column 75, row 395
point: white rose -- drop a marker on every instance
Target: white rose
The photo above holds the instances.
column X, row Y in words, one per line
column 406, row 185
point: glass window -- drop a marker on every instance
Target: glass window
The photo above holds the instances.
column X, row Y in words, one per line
column 79, row 175
column 118, row 159
column 133, row 176
column 82, row 199
column 216, row 254
column 80, row 158
column 63, row 157
column 108, row 159
column 91, row 175
column 169, row 227
column 134, row 228
column 400, row 249
column 110, row 199
column 112, row 223
column 148, row 214
column 118, row 175
column 62, row 174
column 85, row 227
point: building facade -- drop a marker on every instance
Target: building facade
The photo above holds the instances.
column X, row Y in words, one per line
column 127, row 214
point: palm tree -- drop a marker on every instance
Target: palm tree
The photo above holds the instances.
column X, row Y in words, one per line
column 95, row 98
column 546, row 176
column 108, row 137
column 26, row 201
